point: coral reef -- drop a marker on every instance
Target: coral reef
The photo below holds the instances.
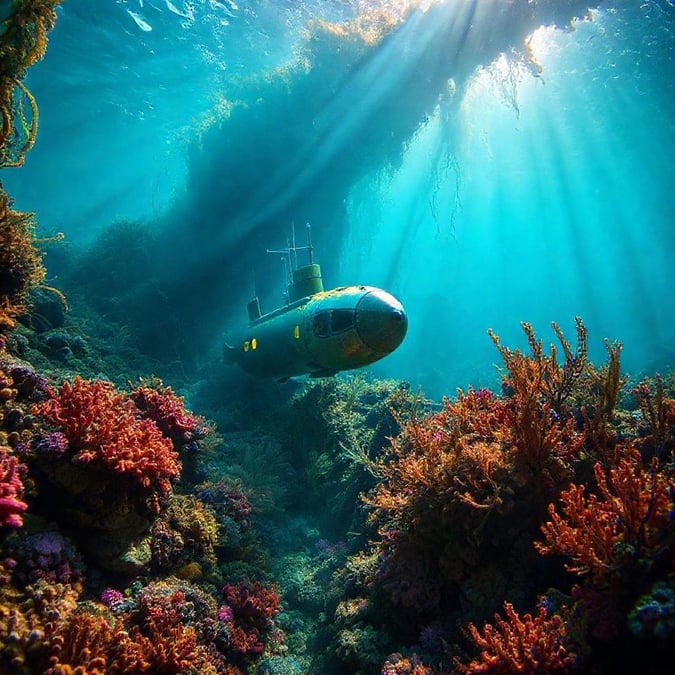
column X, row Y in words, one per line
column 340, row 526
column 463, row 494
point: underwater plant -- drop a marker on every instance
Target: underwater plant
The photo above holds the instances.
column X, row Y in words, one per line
column 23, row 42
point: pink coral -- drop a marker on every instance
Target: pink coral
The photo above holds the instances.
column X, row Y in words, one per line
column 167, row 410
column 11, row 489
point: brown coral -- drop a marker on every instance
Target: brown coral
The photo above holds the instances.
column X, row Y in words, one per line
column 21, row 267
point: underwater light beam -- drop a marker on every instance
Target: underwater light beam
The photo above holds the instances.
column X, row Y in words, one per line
column 377, row 85
column 406, row 74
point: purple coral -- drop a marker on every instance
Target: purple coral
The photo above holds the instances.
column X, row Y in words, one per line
column 49, row 555
column 225, row 613
column 29, row 383
column 53, row 443
column 117, row 602
column 228, row 500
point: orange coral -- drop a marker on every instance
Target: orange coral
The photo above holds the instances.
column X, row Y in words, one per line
column 430, row 466
column 628, row 523
column 541, row 375
column 102, row 426
column 540, row 433
column 538, row 644
column 88, row 644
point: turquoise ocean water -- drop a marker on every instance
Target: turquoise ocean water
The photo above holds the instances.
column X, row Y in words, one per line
column 487, row 162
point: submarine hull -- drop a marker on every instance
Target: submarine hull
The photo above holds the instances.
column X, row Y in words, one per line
column 330, row 331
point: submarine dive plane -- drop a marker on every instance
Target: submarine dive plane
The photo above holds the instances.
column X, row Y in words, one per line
column 317, row 332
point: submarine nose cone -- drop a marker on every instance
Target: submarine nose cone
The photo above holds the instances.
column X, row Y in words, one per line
column 381, row 321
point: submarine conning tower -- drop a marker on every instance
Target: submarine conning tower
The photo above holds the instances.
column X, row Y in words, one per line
column 305, row 281
column 301, row 281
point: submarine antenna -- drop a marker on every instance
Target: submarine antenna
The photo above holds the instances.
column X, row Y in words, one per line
column 310, row 248
column 287, row 276
column 294, row 250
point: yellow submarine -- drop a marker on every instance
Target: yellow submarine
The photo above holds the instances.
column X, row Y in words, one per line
column 317, row 332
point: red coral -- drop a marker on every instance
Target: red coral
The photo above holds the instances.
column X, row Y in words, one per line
column 630, row 522
column 11, row 490
column 167, row 410
column 103, row 426
column 529, row 645
column 248, row 615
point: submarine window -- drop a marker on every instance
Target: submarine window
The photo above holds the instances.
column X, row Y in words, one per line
column 341, row 320
column 254, row 344
column 247, row 344
column 296, row 332
column 321, row 324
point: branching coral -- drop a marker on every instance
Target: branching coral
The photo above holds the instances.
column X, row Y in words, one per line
column 658, row 419
column 538, row 644
column 540, row 432
column 167, row 410
column 102, row 426
column 430, row 463
column 541, row 375
column 628, row 524
column 89, row 644
column 247, row 615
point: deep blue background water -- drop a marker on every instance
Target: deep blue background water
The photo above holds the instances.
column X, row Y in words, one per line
column 521, row 190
